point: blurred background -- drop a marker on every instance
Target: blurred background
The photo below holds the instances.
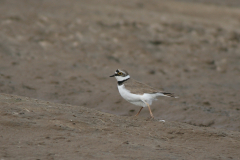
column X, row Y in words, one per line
column 64, row 51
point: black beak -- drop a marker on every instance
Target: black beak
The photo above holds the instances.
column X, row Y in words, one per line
column 112, row 75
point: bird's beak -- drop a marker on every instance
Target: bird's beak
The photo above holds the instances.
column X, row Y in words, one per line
column 112, row 75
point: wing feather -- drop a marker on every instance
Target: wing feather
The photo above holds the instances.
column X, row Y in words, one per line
column 136, row 87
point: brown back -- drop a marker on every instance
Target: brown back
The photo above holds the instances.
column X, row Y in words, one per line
column 136, row 87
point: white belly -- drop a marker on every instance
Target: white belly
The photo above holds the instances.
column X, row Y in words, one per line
column 136, row 99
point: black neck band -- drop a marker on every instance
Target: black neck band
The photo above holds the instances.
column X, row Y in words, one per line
column 121, row 82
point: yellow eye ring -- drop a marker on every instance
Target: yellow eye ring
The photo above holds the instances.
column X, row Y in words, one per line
column 120, row 73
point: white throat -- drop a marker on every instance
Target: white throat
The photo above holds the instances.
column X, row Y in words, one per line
column 120, row 78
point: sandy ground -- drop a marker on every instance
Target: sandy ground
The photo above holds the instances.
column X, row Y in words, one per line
column 34, row 129
column 63, row 52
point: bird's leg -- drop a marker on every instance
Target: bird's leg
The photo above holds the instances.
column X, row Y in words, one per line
column 139, row 111
column 150, row 110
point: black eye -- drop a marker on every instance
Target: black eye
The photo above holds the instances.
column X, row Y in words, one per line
column 120, row 73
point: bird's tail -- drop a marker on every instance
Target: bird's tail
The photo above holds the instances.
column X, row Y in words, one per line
column 169, row 94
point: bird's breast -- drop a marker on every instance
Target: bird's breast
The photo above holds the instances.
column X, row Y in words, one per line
column 127, row 95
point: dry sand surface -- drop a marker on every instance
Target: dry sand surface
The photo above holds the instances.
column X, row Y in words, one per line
column 61, row 54
column 34, row 129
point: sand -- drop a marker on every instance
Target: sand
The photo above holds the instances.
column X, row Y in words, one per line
column 57, row 100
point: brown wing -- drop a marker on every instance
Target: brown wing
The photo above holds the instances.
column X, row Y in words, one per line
column 138, row 88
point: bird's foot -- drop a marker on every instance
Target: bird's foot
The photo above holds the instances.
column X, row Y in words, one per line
column 150, row 118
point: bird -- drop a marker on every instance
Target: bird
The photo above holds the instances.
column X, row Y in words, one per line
column 137, row 93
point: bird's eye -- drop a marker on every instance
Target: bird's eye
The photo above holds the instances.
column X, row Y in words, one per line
column 120, row 73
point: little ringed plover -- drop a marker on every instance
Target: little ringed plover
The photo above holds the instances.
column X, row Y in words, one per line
column 136, row 92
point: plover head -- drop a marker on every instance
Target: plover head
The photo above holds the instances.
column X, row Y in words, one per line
column 121, row 75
